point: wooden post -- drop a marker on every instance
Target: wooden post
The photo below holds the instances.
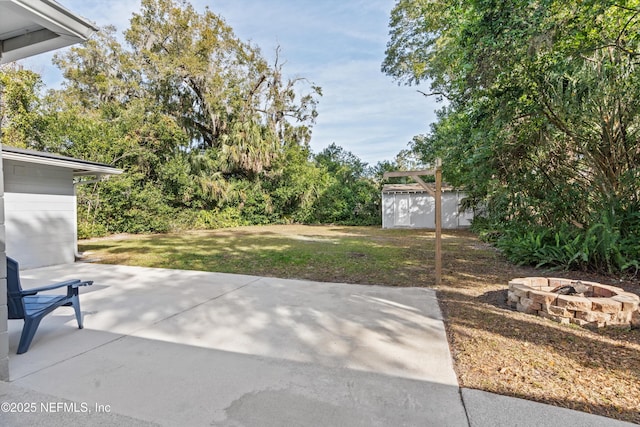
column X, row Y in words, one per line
column 438, row 222
column 437, row 195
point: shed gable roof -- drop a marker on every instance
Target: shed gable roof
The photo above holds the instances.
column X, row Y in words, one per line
column 412, row 188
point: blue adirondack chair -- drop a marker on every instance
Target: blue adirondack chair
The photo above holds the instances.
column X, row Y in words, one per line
column 27, row 305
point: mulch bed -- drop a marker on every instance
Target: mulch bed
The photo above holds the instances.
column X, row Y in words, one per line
column 503, row 351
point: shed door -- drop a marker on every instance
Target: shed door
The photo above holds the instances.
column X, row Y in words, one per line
column 403, row 210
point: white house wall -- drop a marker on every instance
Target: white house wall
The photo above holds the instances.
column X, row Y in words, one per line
column 39, row 214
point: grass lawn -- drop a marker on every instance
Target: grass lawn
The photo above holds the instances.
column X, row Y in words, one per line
column 494, row 348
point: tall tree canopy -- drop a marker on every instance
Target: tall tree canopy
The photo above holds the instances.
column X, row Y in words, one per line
column 208, row 131
column 200, row 118
column 542, row 119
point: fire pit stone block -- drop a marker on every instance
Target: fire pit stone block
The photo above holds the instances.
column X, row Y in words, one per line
column 607, row 305
column 543, row 297
column 558, row 311
column 628, row 302
column 635, row 319
column 572, row 302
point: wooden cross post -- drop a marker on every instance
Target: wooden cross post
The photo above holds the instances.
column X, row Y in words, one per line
column 437, row 195
column 438, row 198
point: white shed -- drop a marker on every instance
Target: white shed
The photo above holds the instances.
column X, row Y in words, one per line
column 410, row 206
column 40, row 205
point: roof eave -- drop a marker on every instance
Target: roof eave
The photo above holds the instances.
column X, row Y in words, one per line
column 55, row 27
column 79, row 168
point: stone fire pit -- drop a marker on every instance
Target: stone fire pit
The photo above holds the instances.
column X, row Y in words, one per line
column 573, row 301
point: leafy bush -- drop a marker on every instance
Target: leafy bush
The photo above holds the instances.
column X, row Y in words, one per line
column 87, row 230
column 610, row 245
column 227, row 217
column 123, row 204
column 543, row 248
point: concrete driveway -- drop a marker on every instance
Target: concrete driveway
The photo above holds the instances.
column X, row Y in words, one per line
column 193, row 348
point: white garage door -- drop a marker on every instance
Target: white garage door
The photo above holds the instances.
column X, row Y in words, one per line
column 39, row 214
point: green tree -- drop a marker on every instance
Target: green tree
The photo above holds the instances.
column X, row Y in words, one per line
column 295, row 183
column 208, row 132
column 20, row 116
column 203, row 125
column 351, row 196
column 543, row 102
column 221, row 89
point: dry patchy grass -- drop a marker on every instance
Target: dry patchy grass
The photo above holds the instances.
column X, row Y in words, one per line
column 494, row 348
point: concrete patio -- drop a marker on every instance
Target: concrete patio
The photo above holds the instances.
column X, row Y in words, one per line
column 192, row 348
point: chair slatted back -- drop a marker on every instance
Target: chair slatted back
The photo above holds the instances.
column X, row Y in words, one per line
column 15, row 302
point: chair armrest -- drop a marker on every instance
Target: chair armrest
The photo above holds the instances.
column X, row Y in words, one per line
column 82, row 283
column 72, row 283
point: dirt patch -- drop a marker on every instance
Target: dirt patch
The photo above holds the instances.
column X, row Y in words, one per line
column 357, row 255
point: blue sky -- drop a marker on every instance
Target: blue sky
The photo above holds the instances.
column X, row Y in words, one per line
column 336, row 44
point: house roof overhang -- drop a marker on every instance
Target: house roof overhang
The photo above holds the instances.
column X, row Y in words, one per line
column 30, row 27
column 79, row 167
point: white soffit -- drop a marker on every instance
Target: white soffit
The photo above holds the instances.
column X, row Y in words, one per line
column 31, row 27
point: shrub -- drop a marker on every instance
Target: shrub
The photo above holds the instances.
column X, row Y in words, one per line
column 610, row 244
column 218, row 218
column 87, row 230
